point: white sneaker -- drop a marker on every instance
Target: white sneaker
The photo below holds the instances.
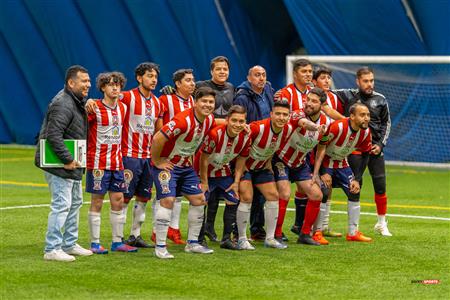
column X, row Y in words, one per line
column 161, row 252
column 197, row 248
column 245, row 245
column 79, row 251
column 382, row 229
column 58, row 255
column 273, row 243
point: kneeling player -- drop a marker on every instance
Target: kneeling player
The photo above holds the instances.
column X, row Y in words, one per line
column 172, row 151
column 341, row 139
column 104, row 162
column 223, row 144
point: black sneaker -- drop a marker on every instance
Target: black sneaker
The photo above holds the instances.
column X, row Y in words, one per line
column 307, row 240
column 295, row 229
column 228, row 244
column 282, row 239
column 258, row 236
column 137, row 242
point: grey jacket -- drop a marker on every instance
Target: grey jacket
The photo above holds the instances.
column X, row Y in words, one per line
column 65, row 119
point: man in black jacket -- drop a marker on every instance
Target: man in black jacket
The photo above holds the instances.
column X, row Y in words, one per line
column 380, row 125
column 65, row 119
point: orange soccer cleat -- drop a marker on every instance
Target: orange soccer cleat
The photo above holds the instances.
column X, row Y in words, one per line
column 358, row 237
column 175, row 236
column 318, row 237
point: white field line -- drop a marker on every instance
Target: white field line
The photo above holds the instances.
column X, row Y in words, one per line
column 289, row 209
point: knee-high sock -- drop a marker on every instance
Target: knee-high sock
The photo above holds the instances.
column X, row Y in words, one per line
column 229, row 220
column 176, row 213
column 353, row 211
column 326, row 216
column 94, row 220
column 154, row 202
column 319, row 220
column 117, row 221
column 162, row 224
column 125, row 210
column 381, row 202
column 271, row 216
column 283, row 203
column 242, row 219
column 195, row 221
column 312, row 210
column 138, row 217
column 300, row 206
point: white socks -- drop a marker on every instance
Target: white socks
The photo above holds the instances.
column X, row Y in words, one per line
column 353, row 211
column 381, row 219
column 162, row 220
column 176, row 213
column 271, row 216
column 138, row 217
column 195, row 221
column 94, row 221
column 117, row 220
column 242, row 218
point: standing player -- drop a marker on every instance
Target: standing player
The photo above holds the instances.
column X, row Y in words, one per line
column 172, row 151
column 380, row 126
column 180, row 100
column 341, row 139
column 291, row 165
column 104, row 162
column 267, row 135
column 224, row 144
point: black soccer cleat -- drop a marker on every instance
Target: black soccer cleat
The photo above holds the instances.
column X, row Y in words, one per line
column 295, row 229
column 228, row 244
column 137, row 242
column 307, row 240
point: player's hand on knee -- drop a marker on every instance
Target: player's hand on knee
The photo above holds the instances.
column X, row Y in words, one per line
column 354, row 187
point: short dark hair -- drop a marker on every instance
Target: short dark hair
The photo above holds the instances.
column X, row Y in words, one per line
column 282, row 103
column 144, row 67
column 363, row 71
column 105, row 78
column 353, row 108
column 236, row 109
column 319, row 92
column 204, row 91
column 218, row 59
column 72, row 71
column 320, row 71
column 179, row 74
column 299, row 63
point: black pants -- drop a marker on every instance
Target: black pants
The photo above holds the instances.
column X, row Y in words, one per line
column 377, row 170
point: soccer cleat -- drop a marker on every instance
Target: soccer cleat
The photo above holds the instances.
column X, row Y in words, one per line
column 244, row 245
column 121, row 247
column 161, row 252
column 329, row 233
column 258, row 236
column 96, row 248
column 283, row 238
column 197, row 248
column 306, row 239
column 58, row 255
column 318, row 237
column 358, row 237
column 273, row 243
column 295, row 229
column 175, row 236
column 137, row 242
column 228, row 244
column 382, row 229
column 79, row 251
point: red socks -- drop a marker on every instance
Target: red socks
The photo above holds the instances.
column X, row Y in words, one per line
column 283, row 203
column 312, row 210
column 381, row 202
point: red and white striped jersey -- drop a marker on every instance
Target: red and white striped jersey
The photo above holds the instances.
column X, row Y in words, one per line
column 139, row 126
column 302, row 141
column 265, row 142
column 294, row 96
column 334, row 102
column 223, row 149
column 341, row 141
column 174, row 104
column 105, row 137
column 185, row 134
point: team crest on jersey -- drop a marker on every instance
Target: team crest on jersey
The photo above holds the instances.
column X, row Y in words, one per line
column 280, row 168
column 115, row 120
column 98, row 174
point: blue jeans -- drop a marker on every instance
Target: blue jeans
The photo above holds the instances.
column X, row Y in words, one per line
column 67, row 198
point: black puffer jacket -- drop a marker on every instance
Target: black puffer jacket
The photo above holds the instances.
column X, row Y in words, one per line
column 65, row 119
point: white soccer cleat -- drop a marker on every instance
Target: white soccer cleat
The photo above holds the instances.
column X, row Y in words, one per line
column 161, row 252
column 197, row 248
column 273, row 243
column 382, row 229
column 79, row 251
column 58, row 255
column 245, row 245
